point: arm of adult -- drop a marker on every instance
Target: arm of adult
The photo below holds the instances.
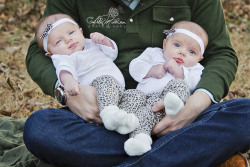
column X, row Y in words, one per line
column 191, row 110
column 42, row 71
column 220, row 62
column 85, row 104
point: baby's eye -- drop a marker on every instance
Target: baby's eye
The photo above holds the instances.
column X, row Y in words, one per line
column 192, row 51
column 176, row 44
column 71, row 32
column 57, row 42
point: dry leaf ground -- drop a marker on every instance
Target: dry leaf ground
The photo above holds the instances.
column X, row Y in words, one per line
column 20, row 96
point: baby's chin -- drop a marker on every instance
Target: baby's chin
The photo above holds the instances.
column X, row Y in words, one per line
column 74, row 51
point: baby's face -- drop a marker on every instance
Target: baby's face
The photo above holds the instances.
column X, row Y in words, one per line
column 66, row 39
column 183, row 49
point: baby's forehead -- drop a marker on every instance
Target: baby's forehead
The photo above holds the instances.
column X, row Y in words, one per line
column 181, row 37
column 64, row 27
column 184, row 40
column 176, row 37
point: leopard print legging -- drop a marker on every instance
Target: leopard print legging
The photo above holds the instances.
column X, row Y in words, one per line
column 110, row 92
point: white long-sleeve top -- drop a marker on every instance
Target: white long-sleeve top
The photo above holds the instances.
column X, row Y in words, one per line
column 140, row 66
column 93, row 61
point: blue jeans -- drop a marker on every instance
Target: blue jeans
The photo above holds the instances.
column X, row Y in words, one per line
column 59, row 137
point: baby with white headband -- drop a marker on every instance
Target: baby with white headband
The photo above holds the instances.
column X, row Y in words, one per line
column 182, row 50
column 63, row 41
column 79, row 60
column 170, row 74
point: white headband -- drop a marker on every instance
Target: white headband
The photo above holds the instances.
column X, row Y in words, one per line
column 188, row 33
column 50, row 27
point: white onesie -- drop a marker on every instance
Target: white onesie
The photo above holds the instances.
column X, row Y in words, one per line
column 93, row 61
column 140, row 66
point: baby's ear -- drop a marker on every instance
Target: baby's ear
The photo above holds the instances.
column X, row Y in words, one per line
column 201, row 58
column 164, row 43
column 48, row 54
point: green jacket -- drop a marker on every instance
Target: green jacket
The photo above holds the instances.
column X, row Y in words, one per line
column 134, row 31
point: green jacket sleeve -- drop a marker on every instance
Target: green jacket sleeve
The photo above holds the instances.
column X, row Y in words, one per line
column 132, row 38
column 220, row 60
column 40, row 67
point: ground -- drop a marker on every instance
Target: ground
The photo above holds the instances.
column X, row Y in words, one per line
column 20, row 96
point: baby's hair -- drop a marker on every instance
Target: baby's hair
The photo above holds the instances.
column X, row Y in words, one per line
column 42, row 24
column 195, row 28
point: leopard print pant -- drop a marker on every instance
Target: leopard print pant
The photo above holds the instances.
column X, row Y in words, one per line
column 147, row 118
column 110, row 92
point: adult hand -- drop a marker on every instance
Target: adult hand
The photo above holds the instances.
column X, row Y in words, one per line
column 85, row 104
column 195, row 104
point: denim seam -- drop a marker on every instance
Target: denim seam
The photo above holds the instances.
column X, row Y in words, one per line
column 182, row 131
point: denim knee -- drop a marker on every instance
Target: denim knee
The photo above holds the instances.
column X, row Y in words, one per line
column 31, row 128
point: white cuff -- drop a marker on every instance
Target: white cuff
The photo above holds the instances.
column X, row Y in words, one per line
column 208, row 93
column 56, row 83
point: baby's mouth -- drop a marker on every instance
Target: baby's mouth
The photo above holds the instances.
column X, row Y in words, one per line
column 179, row 60
column 73, row 45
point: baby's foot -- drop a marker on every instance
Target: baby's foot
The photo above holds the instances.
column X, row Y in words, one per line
column 115, row 119
column 138, row 145
column 128, row 123
column 109, row 119
column 173, row 104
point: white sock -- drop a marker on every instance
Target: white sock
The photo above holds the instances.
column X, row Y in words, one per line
column 108, row 115
column 138, row 145
column 128, row 124
column 119, row 120
column 173, row 104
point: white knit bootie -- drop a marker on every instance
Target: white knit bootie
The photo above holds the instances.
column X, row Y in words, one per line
column 173, row 104
column 119, row 120
column 138, row 145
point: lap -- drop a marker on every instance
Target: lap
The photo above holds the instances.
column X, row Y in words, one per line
column 58, row 136
column 221, row 131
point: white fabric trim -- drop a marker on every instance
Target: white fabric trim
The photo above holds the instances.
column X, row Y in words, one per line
column 192, row 75
column 54, row 25
column 208, row 93
column 192, row 35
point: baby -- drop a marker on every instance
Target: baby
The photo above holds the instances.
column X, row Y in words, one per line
column 79, row 60
column 171, row 73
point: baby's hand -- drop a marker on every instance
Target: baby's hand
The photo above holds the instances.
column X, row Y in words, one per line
column 72, row 88
column 174, row 68
column 156, row 71
column 171, row 65
column 99, row 38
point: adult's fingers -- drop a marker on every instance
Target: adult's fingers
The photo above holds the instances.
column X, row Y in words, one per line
column 158, row 106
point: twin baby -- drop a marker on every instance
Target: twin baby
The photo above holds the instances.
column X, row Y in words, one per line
column 170, row 73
